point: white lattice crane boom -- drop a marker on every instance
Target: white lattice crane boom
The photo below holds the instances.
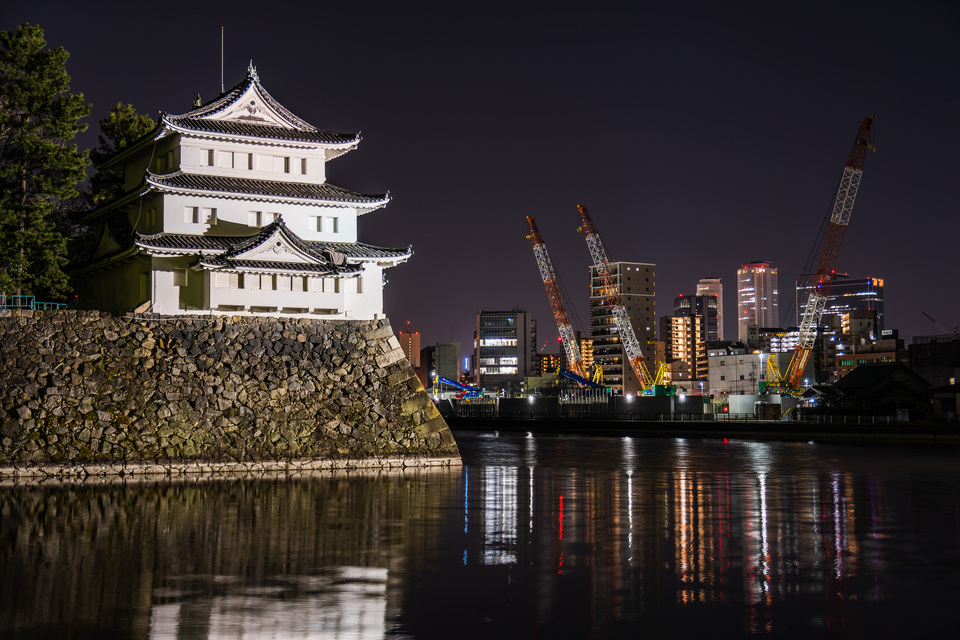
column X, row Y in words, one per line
column 611, row 291
column 827, row 264
column 567, row 335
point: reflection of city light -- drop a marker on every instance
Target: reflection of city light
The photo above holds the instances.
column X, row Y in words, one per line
column 561, row 517
column 500, row 516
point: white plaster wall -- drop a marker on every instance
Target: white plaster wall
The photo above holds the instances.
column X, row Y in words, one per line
column 268, row 161
column 229, row 300
column 367, row 305
column 116, row 289
column 236, row 217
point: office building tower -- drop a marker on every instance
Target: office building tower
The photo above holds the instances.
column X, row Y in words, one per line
column 448, row 360
column 703, row 307
column 713, row 287
column 427, row 370
column 505, row 343
column 845, row 296
column 757, row 297
column 683, row 340
column 410, row 343
column 636, row 283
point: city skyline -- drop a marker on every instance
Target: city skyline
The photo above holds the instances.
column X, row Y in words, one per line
column 700, row 136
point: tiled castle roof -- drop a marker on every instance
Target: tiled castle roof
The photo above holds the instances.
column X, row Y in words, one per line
column 251, row 123
column 180, row 181
column 222, row 245
column 259, row 130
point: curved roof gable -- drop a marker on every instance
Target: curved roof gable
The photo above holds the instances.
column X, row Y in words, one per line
column 247, row 109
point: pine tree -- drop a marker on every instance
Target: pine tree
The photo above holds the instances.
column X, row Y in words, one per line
column 38, row 166
column 122, row 127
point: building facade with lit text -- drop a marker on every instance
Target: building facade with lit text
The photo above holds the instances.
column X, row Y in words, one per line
column 504, row 345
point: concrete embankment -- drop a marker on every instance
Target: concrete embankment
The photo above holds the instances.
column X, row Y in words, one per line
column 863, row 431
column 86, row 391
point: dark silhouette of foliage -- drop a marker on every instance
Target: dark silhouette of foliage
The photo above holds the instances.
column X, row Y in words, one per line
column 39, row 169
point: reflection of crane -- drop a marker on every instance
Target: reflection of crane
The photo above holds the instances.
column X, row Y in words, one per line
column 569, row 338
column 827, row 264
column 611, row 293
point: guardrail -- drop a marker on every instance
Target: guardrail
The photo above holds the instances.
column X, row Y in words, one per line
column 27, row 302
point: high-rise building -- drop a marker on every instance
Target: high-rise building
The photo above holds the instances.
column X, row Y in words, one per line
column 636, row 282
column 683, row 340
column 428, row 366
column 504, row 344
column 703, row 307
column 410, row 343
column 448, row 360
column 713, row 287
column 846, row 294
column 757, row 297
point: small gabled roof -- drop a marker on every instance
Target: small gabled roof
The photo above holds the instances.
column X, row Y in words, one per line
column 247, row 188
column 224, row 251
column 248, row 110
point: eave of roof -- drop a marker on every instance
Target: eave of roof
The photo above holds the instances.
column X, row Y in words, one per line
column 250, row 188
column 222, row 263
column 257, row 131
column 184, row 244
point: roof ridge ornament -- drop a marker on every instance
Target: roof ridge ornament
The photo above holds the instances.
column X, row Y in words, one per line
column 252, row 71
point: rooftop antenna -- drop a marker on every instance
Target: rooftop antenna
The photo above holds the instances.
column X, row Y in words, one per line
column 221, row 58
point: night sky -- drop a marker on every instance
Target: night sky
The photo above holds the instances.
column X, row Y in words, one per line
column 701, row 135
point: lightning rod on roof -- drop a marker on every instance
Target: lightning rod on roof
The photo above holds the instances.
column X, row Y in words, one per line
column 221, row 58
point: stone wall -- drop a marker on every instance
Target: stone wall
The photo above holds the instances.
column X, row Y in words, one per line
column 82, row 387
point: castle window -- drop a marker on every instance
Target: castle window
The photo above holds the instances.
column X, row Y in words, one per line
column 286, row 164
column 251, row 281
column 333, row 224
column 191, row 214
column 209, row 154
column 179, row 277
column 209, row 216
column 261, row 218
column 303, row 166
column 228, row 280
column 359, row 285
column 299, row 283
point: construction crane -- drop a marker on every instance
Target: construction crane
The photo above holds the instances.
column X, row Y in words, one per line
column 611, row 293
column 946, row 330
column 567, row 336
column 827, row 264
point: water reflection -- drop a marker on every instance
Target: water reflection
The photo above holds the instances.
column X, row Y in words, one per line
column 545, row 536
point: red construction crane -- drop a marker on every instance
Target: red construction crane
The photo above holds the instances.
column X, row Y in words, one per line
column 827, row 264
column 611, row 292
column 569, row 338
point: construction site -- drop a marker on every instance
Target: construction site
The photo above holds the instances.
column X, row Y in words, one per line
column 622, row 371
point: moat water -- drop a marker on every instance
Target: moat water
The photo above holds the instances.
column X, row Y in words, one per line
column 547, row 536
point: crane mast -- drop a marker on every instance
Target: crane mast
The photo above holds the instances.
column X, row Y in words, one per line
column 827, row 264
column 611, row 292
column 567, row 335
